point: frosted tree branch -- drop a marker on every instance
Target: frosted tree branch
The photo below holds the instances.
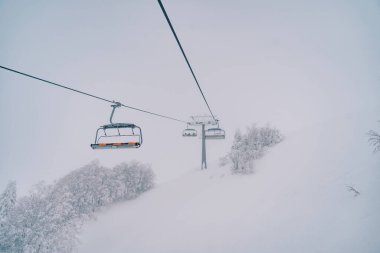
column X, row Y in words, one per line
column 374, row 140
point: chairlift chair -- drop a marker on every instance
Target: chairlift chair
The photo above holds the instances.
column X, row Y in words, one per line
column 215, row 133
column 189, row 132
column 117, row 135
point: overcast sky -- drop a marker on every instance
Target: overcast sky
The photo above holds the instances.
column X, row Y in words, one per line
column 288, row 63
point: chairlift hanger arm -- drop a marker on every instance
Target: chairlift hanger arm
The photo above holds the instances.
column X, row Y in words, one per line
column 114, row 106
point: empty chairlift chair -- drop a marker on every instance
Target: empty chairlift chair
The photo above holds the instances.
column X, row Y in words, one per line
column 215, row 133
column 189, row 132
column 117, row 135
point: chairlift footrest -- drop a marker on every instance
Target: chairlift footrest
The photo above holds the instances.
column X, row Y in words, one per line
column 116, row 145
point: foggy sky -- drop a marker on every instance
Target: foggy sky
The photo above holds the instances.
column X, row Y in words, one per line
column 291, row 64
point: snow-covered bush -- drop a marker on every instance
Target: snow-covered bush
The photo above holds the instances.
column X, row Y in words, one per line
column 248, row 147
column 50, row 217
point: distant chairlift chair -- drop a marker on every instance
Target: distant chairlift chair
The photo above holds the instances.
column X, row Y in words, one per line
column 117, row 135
column 215, row 133
column 189, row 132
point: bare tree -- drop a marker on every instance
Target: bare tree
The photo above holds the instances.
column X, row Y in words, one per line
column 350, row 188
column 374, row 140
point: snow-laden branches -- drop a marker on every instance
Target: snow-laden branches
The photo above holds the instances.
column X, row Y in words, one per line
column 7, row 204
column 374, row 140
column 50, row 217
column 7, row 201
column 250, row 146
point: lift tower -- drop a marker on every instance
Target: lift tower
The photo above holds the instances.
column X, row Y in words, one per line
column 203, row 121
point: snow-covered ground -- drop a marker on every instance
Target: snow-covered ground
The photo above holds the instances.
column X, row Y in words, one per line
column 296, row 201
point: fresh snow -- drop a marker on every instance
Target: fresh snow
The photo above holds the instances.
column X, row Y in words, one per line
column 297, row 200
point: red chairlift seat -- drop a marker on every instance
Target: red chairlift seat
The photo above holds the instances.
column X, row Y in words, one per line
column 115, row 145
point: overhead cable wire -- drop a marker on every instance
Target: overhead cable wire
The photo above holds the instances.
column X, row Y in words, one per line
column 184, row 55
column 90, row 95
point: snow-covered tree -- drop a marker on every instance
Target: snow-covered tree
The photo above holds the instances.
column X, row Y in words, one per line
column 50, row 217
column 7, row 204
column 37, row 224
column 134, row 179
column 248, row 147
column 270, row 136
column 7, row 201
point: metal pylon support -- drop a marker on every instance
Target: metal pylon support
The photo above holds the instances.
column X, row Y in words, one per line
column 204, row 162
column 203, row 121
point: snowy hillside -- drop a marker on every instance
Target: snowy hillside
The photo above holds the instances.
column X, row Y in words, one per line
column 296, row 201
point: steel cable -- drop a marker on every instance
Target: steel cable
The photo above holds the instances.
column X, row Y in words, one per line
column 184, row 55
column 90, row 95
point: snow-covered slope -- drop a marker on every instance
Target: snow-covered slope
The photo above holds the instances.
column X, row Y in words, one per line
column 296, row 201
